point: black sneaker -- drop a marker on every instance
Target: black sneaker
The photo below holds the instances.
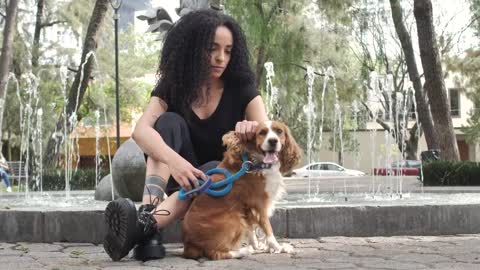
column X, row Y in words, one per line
column 126, row 227
column 150, row 249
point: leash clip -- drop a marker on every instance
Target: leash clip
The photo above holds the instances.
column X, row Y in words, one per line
column 247, row 166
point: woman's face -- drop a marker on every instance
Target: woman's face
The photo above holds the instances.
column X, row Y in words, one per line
column 220, row 51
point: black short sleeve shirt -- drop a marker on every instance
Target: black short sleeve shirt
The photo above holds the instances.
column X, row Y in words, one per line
column 206, row 134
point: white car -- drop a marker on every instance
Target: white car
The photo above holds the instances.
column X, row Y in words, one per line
column 324, row 169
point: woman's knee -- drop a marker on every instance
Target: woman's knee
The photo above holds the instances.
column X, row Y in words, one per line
column 170, row 122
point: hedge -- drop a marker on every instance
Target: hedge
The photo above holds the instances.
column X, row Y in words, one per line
column 82, row 179
column 447, row 173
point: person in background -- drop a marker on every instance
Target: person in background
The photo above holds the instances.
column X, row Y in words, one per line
column 4, row 173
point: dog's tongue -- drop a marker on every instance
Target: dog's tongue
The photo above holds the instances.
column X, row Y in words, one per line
column 270, row 158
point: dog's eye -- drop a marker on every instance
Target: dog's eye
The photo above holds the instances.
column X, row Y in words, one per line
column 263, row 132
column 278, row 131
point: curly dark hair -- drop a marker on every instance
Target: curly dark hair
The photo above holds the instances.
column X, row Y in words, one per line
column 185, row 60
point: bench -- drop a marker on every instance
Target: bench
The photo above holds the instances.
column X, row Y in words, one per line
column 17, row 171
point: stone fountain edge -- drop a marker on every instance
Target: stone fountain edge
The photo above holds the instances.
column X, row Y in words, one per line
column 87, row 226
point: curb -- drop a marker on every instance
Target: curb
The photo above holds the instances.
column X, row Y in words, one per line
column 290, row 222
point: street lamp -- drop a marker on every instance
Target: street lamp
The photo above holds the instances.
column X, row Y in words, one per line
column 116, row 6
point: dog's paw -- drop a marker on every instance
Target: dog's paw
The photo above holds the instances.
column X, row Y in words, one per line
column 287, row 248
column 242, row 252
column 259, row 245
column 274, row 247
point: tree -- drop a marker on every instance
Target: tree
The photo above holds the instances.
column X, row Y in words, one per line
column 82, row 77
column 39, row 25
column 424, row 115
column 269, row 26
column 389, row 97
column 6, row 56
column 434, row 83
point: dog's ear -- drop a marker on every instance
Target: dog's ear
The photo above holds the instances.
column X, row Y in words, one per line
column 290, row 154
column 234, row 147
column 231, row 141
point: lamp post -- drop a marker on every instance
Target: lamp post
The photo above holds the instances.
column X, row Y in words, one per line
column 116, row 6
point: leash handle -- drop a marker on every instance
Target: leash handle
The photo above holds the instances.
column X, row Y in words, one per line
column 182, row 195
column 211, row 188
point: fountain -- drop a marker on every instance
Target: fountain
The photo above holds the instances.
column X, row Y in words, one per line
column 363, row 206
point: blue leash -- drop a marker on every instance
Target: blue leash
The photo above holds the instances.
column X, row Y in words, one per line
column 212, row 188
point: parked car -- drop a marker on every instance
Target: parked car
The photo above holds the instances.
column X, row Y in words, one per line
column 324, row 169
column 404, row 167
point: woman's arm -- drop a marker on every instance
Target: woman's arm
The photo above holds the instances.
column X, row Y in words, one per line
column 147, row 138
column 152, row 144
column 254, row 113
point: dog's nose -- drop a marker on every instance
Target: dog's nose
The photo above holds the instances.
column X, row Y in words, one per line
column 272, row 142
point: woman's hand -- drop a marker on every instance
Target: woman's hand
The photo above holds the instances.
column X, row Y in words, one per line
column 245, row 130
column 185, row 174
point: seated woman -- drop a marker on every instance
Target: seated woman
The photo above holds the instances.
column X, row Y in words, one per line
column 205, row 89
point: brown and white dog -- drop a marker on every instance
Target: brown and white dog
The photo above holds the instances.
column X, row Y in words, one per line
column 214, row 227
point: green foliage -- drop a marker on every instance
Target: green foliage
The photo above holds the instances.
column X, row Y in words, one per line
column 475, row 9
column 82, row 179
column 292, row 41
column 138, row 56
column 447, row 173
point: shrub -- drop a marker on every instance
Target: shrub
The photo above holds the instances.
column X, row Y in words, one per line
column 447, row 173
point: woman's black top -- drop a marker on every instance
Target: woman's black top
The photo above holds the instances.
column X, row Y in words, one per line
column 206, row 134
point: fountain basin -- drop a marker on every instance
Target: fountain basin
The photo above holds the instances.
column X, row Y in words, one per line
column 80, row 219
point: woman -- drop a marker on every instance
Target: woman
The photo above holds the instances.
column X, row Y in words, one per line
column 205, row 88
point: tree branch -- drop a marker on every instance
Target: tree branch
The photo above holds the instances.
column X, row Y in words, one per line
column 270, row 15
column 378, row 120
column 48, row 24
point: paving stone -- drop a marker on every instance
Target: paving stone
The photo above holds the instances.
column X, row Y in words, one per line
column 44, row 247
column 83, row 249
column 457, row 265
column 423, row 258
column 70, row 267
column 341, row 239
column 300, row 243
column 120, row 267
column 64, row 261
column 46, row 254
column 24, row 265
column 386, row 253
column 67, row 244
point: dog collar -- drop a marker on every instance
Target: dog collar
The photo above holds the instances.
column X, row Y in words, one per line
column 254, row 165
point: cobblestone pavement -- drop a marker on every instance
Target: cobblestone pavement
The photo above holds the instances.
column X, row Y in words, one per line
column 405, row 252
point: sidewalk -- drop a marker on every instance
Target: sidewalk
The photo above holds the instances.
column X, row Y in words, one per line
column 406, row 252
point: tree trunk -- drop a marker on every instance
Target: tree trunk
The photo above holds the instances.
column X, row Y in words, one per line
column 80, row 83
column 6, row 56
column 424, row 115
column 36, row 35
column 259, row 67
column 411, row 145
column 434, row 83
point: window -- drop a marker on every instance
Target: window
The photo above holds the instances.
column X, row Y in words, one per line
column 313, row 167
column 332, row 167
column 454, row 98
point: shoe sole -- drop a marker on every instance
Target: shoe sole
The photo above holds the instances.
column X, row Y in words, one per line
column 147, row 252
column 121, row 218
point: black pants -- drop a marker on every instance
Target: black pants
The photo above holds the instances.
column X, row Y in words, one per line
column 175, row 132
